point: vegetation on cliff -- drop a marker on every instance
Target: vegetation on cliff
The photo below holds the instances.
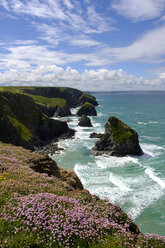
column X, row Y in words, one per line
column 54, row 100
column 22, row 123
column 118, row 140
column 41, row 207
column 87, row 109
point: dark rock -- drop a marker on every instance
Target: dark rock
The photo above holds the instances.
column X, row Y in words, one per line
column 62, row 112
column 84, row 121
column 96, row 135
column 51, row 148
column 118, row 140
column 44, row 164
column 87, row 109
column 23, row 124
column 49, row 111
column 134, row 228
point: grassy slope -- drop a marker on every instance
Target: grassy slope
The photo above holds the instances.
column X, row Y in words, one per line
column 73, row 211
column 49, row 102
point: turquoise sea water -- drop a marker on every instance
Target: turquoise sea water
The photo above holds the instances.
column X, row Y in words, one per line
column 137, row 184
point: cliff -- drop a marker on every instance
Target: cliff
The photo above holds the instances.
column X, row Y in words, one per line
column 22, row 123
column 42, row 205
column 54, row 100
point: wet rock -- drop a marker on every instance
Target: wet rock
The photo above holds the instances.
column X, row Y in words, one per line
column 96, row 135
column 84, row 121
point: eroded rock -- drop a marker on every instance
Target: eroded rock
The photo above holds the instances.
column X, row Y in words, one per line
column 118, row 140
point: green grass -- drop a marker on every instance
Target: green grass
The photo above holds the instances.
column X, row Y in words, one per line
column 87, row 105
column 21, row 180
column 121, row 131
column 49, row 102
column 25, row 133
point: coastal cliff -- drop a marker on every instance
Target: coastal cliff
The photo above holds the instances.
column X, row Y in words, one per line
column 42, row 205
column 54, row 100
column 22, row 123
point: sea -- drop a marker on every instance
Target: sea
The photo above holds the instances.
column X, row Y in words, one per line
column 136, row 183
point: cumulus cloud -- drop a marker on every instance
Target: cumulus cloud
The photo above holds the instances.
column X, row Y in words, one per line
column 139, row 10
column 101, row 79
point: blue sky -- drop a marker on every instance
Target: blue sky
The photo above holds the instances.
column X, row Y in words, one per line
column 87, row 44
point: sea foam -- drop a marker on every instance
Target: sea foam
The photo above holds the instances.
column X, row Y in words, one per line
column 117, row 181
column 155, row 178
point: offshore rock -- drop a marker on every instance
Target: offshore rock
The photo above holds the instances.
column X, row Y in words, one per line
column 87, row 109
column 84, row 121
column 118, row 140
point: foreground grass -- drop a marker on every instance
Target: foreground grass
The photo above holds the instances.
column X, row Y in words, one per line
column 37, row 210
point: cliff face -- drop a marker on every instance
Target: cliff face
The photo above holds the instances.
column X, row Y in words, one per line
column 72, row 96
column 22, row 123
column 54, row 101
column 42, row 205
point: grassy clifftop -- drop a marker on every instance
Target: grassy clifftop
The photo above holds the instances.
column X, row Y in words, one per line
column 44, row 206
column 22, row 122
column 54, row 96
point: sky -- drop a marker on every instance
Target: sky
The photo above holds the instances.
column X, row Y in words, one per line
column 107, row 45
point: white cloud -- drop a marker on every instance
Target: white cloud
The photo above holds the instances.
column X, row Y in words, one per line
column 139, row 10
column 150, row 48
column 102, row 79
column 4, row 3
column 68, row 4
column 43, row 9
column 84, row 42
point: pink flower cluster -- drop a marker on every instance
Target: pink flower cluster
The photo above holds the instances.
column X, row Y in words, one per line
column 60, row 219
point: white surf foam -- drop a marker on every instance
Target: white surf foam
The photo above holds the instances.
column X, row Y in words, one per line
column 117, row 181
column 108, row 162
column 152, row 150
column 100, row 114
column 153, row 122
column 74, row 110
column 154, row 177
column 151, row 138
column 142, row 123
column 143, row 198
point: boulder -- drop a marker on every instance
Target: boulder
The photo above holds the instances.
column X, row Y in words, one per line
column 87, row 109
column 44, row 164
column 118, row 140
column 96, row 135
column 84, row 121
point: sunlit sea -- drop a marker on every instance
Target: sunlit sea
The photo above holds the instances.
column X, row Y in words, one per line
column 137, row 184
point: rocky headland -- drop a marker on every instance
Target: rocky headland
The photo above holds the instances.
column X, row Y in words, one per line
column 25, row 114
column 43, row 205
column 118, row 140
